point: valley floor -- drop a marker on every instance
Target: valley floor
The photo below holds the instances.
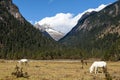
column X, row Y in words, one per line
column 57, row 70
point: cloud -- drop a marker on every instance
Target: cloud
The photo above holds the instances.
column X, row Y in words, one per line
column 60, row 22
column 64, row 22
column 96, row 9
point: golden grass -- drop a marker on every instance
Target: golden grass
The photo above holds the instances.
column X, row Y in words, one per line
column 57, row 70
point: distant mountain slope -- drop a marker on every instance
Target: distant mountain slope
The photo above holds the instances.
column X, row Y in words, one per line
column 18, row 38
column 98, row 32
column 56, row 35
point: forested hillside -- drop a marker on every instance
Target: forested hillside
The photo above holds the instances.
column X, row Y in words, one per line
column 98, row 34
column 18, row 38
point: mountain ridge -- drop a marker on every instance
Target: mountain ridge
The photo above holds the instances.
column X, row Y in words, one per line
column 12, row 9
column 20, row 39
column 97, row 33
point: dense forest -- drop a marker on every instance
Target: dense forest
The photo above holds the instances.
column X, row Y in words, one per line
column 20, row 39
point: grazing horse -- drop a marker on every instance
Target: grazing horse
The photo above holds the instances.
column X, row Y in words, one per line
column 23, row 61
column 96, row 65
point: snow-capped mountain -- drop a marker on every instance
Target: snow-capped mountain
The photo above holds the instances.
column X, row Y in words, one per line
column 56, row 35
column 94, row 27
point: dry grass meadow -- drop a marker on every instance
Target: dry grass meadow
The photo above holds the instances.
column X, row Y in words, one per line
column 57, row 70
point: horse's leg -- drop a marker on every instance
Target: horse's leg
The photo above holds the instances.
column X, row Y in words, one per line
column 95, row 70
column 20, row 63
column 103, row 69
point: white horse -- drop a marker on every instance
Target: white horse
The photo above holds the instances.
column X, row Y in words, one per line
column 23, row 61
column 96, row 65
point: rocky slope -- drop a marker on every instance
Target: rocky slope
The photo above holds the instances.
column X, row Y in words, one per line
column 12, row 9
column 98, row 32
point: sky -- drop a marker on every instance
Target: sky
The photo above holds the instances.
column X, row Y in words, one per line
column 61, row 15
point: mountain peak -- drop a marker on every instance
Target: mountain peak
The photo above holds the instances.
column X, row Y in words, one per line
column 56, row 35
column 94, row 26
column 12, row 9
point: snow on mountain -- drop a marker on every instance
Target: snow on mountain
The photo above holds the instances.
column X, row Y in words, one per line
column 56, row 35
column 60, row 24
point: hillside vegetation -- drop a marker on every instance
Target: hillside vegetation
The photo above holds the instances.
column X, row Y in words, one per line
column 98, row 34
column 18, row 38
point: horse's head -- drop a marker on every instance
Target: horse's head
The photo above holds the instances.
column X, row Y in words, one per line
column 91, row 69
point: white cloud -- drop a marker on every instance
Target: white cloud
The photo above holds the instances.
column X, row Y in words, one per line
column 64, row 22
column 60, row 22
column 96, row 9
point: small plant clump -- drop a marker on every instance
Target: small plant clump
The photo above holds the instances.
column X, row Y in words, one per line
column 19, row 72
column 107, row 74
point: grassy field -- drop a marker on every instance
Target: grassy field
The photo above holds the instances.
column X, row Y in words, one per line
column 57, row 70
